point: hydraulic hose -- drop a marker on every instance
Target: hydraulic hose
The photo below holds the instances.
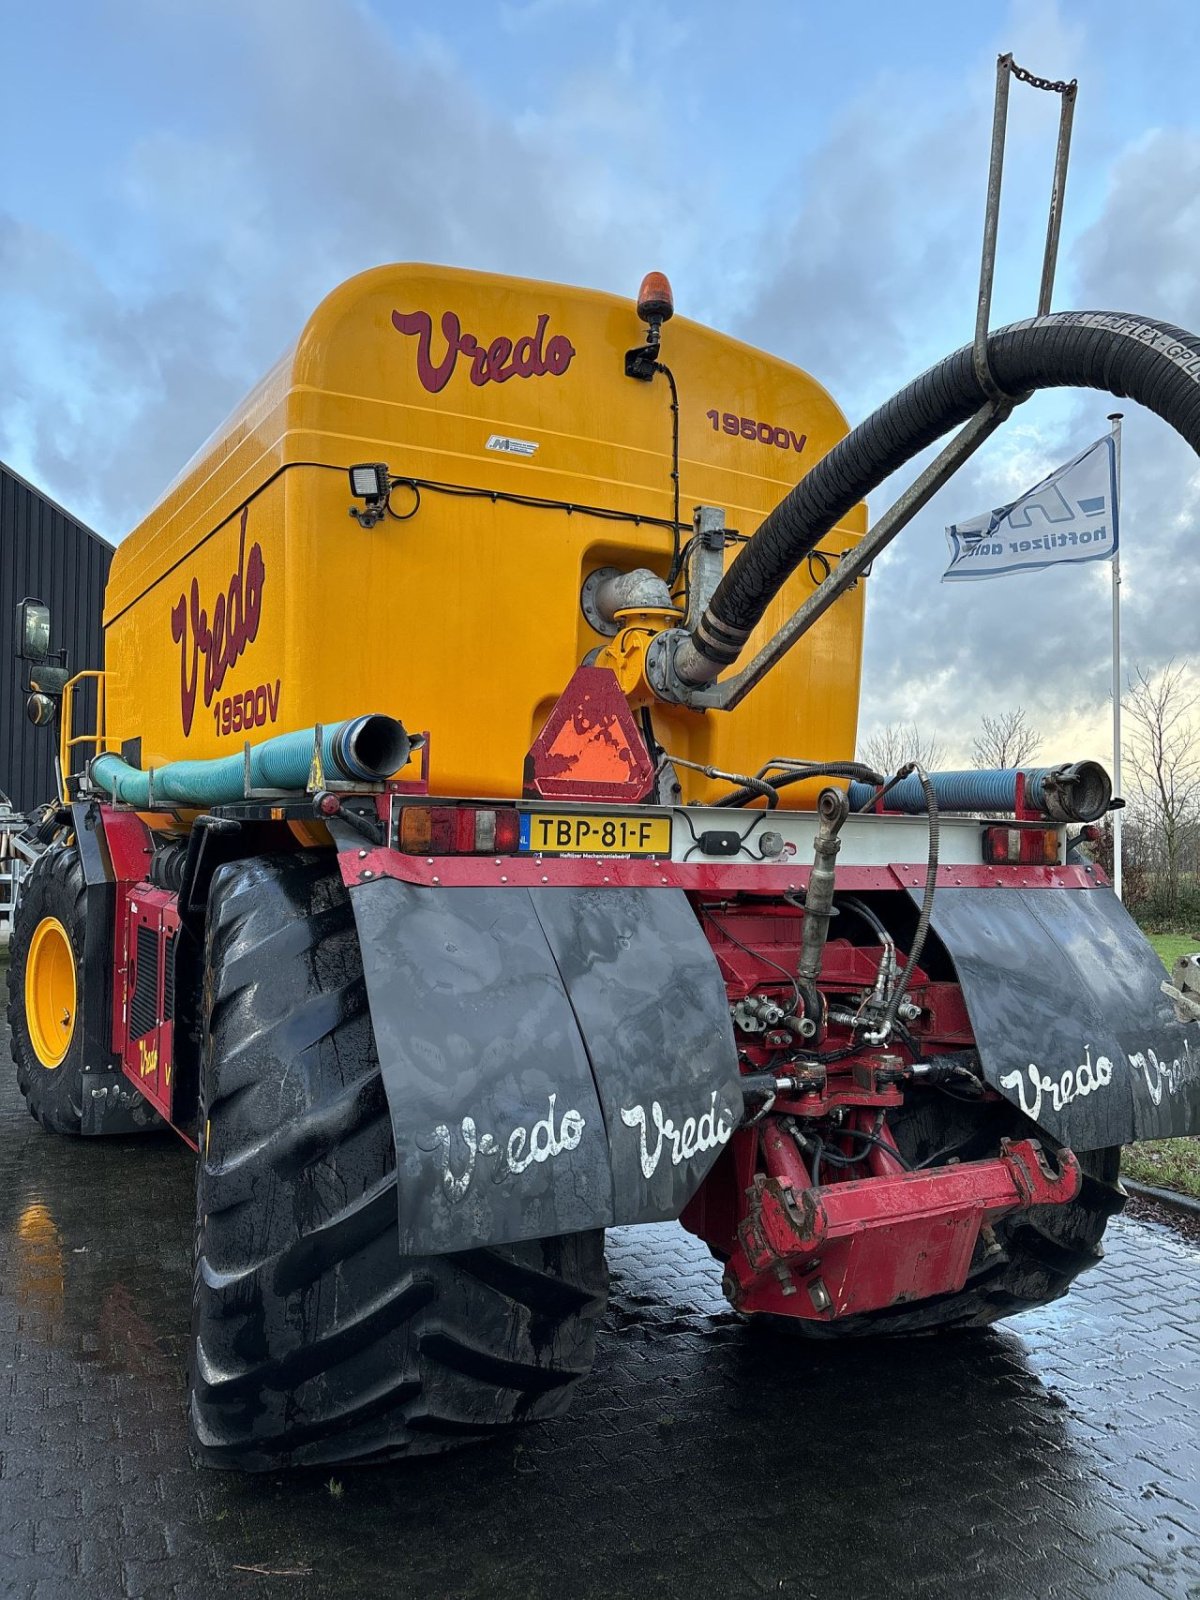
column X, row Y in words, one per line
column 1130, row 356
column 360, row 750
column 925, row 916
column 798, row 772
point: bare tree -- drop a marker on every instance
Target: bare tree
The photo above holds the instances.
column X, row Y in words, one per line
column 1163, row 756
column 1006, row 740
column 896, row 744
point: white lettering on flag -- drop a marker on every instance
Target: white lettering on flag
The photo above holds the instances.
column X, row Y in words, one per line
column 1070, row 516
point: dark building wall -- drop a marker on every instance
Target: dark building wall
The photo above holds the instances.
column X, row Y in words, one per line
column 46, row 553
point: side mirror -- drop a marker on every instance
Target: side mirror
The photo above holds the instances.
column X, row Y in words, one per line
column 33, row 630
column 41, row 710
column 45, row 679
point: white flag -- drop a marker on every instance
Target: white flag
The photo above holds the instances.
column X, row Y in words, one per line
column 1070, row 516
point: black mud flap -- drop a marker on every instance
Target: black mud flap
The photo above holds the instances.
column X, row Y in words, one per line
column 555, row 1060
column 1066, row 1000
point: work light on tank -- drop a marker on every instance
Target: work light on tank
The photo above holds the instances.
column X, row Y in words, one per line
column 369, row 482
column 372, row 482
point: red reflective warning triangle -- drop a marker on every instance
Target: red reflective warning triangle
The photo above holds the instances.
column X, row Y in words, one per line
column 590, row 747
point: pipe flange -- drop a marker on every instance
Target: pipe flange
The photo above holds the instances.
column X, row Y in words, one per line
column 660, row 665
column 587, row 602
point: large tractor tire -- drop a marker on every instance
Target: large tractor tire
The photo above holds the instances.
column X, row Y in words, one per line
column 1028, row 1260
column 45, row 989
column 313, row 1340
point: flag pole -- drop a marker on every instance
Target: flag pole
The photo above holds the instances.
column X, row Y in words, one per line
column 1115, row 420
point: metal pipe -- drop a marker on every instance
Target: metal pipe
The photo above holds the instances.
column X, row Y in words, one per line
column 639, row 590
column 705, row 561
column 991, row 225
column 1066, row 116
column 1117, row 822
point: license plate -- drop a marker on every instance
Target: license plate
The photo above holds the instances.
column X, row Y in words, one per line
column 551, row 833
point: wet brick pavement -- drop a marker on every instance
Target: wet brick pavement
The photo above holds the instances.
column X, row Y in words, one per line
column 1058, row 1457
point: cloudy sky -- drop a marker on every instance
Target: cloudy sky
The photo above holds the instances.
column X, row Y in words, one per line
column 180, row 182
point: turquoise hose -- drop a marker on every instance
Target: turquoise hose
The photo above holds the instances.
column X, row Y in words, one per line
column 359, row 750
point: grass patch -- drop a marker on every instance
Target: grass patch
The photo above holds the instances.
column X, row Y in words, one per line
column 1170, row 946
column 1167, row 1164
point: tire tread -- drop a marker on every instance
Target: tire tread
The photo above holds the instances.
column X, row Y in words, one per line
column 313, row 1340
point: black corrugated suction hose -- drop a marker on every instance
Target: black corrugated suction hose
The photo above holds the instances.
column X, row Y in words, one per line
column 1151, row 362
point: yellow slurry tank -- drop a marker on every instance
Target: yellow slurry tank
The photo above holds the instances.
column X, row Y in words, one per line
column 251, row 602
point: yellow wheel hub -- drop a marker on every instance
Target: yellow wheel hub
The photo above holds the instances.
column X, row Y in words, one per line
column 50, row 991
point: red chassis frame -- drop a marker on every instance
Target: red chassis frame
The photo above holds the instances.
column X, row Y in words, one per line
column 862, row 1245
column 842, row 1246
column 143, row 989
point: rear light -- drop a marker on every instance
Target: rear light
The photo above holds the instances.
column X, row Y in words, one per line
column 459, row 831
column 415, row 829
column 508, row 832
column 1011, row 847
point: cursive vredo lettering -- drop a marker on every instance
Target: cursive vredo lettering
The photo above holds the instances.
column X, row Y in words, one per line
column 222, row 636
column 1169, row 1076
column 531, row 356
column 539, row 1142
column 696, row 1135
column 1076, row 1083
